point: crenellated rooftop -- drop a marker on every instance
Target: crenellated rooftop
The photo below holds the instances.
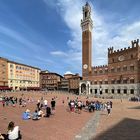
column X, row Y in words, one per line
column 135, row 44
column 101, row 66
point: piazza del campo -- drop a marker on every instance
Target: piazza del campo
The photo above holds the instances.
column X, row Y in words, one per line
column 102, row 104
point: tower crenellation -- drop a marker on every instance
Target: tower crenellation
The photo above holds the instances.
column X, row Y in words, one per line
column 135, row 44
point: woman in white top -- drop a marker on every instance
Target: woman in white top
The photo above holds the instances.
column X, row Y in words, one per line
column 13, row 132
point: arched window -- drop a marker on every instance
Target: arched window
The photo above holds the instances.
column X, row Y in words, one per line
column 118, row 91
column 131, row 91
column 106, row 90
column 112, row 59
column 125, row 68
column 85, row 14
column 132, row 80
column 118, row 69
column 131, row 67
column 131, row 56
column 125, row 91
column 113, row 91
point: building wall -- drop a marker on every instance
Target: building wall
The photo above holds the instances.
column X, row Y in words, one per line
column 3, row 72
column 123, row 65
column 49, row 80
column 121, row 75
column 22, row 76
column 74, row 83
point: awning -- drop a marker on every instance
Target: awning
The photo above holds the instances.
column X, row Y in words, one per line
column 33, row 88
column 5, row 88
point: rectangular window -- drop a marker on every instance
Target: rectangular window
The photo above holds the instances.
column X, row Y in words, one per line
column 125, row 68
column 118, row 91
column 125, row 81
column 95, row 82
column 118, row 69
column 131, row 68
column 113, row 70
column 106, row 90
column 100, row 82
column 118, row 81
column 132, row 91
column 132, row 81
column 125, row 91
column 112, row 91
column 106, row 71
column 113, row 82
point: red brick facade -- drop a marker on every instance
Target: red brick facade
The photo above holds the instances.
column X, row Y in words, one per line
column 120, row 75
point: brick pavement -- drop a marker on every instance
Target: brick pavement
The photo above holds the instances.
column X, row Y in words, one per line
column 122, row 124
column 61, row 126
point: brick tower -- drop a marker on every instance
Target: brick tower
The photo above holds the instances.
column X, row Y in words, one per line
column 86, row 24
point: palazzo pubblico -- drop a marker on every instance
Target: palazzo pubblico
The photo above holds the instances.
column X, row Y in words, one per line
column 121, row 76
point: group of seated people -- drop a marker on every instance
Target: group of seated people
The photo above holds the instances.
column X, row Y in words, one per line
column 13, row 133
column 37, row 114
column 6, row 101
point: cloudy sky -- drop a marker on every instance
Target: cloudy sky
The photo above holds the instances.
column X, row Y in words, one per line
column 47, row 33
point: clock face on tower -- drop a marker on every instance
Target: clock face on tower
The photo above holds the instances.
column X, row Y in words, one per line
column 85, row 66
column 121, row 58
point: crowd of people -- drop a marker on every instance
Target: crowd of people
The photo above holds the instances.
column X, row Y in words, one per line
column 134, row 99
column 44, row 109
column 42, row 105
column 77, row 105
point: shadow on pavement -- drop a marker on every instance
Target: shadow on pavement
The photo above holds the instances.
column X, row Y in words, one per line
column 127, row 129
column 137, row 107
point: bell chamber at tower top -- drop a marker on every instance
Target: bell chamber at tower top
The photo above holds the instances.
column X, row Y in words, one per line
column 86, row 22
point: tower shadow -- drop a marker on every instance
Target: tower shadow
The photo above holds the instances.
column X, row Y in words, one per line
column 127, row 129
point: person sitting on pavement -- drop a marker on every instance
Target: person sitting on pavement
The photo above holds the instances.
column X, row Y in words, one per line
column 26, row 115
column 48, row 112
column 40, row 113
column 35, row 116
column 13, row 132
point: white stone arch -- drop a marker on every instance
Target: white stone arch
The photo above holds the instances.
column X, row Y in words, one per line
column 125, row 90
column 84, row 87
column 112, row 89
column 132, row 89
column 118, row 89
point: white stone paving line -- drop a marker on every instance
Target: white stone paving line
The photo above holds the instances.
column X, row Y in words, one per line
column 88, row 132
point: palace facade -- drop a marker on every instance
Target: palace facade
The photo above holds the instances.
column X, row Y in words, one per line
column 17, row 76
column 122, row 73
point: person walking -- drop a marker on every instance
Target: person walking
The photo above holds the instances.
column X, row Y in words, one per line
column 108, row 108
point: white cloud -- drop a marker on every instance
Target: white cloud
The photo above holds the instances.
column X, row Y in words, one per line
column 58, row 53
column 104, row 36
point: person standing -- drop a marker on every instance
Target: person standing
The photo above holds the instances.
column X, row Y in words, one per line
column 108, row 108
column 38, row 104
column 53, row 104
column 45, row 103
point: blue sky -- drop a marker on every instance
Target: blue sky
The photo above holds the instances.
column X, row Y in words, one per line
column 47, row 33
